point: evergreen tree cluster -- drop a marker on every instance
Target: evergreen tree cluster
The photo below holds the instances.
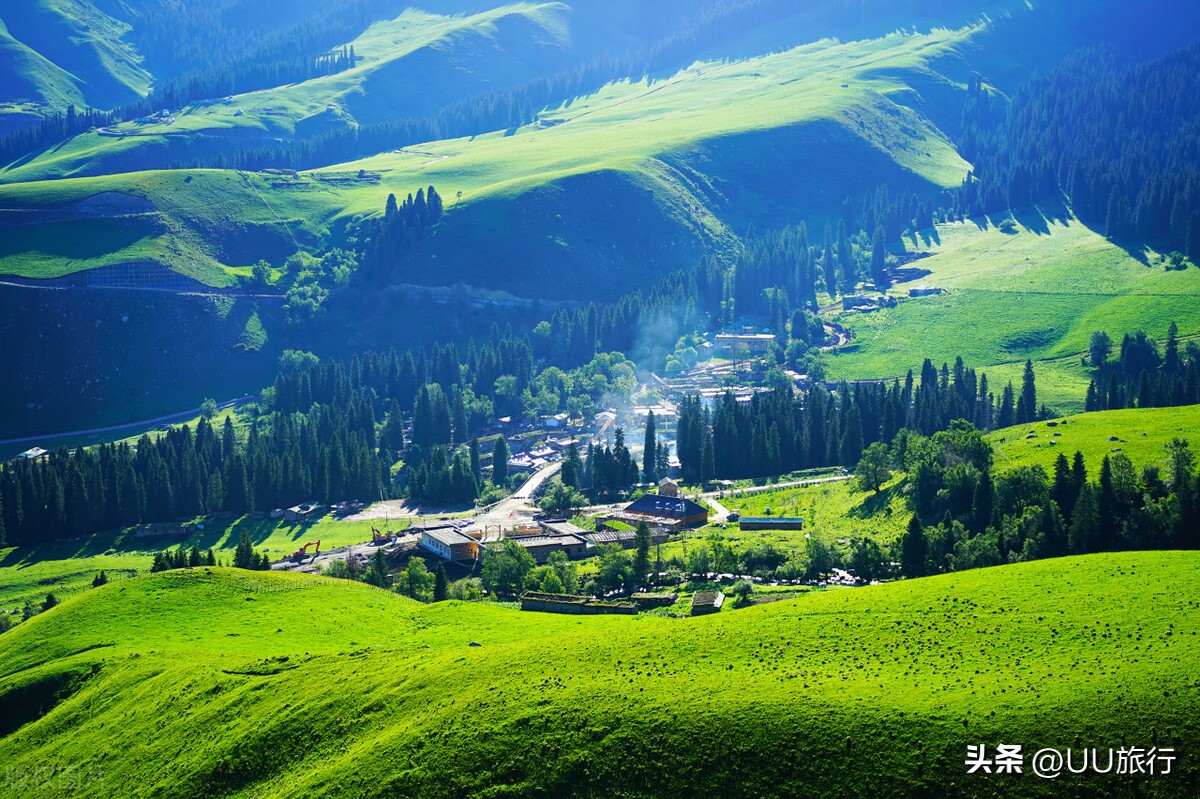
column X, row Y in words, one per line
column 609, row 470
column 181, row 558
column 393, row 233
column 781, row 431
column 1121, row 142
column 1142, row 376
column 1024, row 514
column 782, row 269
column 681, row 301
column 327, row 454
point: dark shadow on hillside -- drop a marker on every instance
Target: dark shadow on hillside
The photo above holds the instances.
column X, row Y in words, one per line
column 217, row 534
column 873, row 504
column 66, row 549
column 924, row 238
column 1039, row 218
column 1137, row 250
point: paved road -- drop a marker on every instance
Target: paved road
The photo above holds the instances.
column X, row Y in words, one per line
column 516, row 508
column 182, row 416
column 511, row 510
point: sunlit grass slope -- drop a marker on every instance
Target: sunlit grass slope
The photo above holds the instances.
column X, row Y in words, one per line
column 66, row 567
column 407, row 67
column 226, row 683
column 1141, row 435
column 68, row 51
column 1029, row 287
column 642, row 172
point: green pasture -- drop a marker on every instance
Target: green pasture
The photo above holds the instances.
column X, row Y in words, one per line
column 235, row 683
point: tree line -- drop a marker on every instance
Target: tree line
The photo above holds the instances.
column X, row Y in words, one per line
column 1141, row 376
column 1119, row 141
column 972, row 519
column 780, row 431
column 328, row 454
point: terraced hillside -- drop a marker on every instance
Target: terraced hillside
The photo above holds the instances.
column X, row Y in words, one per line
column 240, row 683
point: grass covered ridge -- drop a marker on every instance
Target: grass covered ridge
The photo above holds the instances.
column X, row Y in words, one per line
column 675, row 158
column 280, row 685
column 1142, row 435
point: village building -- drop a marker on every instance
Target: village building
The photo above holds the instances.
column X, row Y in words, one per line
column 866, row 303
column 706, row 602
column 541, row 547
column 727, row 344
column 35, row 454
column 625, row 538
column 304, row 512
column 771, row 523
column 684, row 512
column 177, row 532
column 450, row 543
column 668, row 487
column 560, row 527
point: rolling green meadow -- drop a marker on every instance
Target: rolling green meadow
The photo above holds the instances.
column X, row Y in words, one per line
column 1037, row 162
column 1029, row 286
column 281, row 685
column 670, row 140
column 1142, row 435
column 66, row 567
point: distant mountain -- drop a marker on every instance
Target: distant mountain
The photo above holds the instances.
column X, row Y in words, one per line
column 582, row 150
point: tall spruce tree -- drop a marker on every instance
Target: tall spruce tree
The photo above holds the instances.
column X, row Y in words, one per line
column 650, row 450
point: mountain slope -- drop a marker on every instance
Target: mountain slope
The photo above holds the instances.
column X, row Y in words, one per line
column 1032, row 285
column 1140, row 433
column 232, row 683
column 69, row 51
column 692, row 144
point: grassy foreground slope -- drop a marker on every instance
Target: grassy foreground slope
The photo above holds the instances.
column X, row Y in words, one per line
column 1029, row 286
column 1141, row 434
column 229, row 683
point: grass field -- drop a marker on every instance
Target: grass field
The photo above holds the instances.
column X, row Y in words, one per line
column 831, row 511
column 1142, row 435
column 64, row 51
column 1037, row 288
column 238, row 683
column 67, row 567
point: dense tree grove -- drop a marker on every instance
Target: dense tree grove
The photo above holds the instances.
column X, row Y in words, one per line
column 327, row 454
column 393, row 233
column 785, row 268
column 778, row 431
column 1119, row 141
column 1025, row 514
column 1142, row 376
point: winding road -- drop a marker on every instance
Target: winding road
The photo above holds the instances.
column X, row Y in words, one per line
column 182, row 416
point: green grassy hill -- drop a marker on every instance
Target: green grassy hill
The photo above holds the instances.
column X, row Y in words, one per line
column 232, row 683
column 1029, row 286
column 69, row 51
column 1141, row 434
column 677, row 161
